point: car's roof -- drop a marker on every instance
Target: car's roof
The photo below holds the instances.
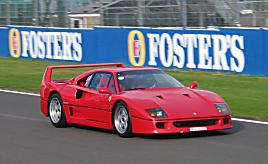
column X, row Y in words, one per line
column 122, row 69
column 115, row 70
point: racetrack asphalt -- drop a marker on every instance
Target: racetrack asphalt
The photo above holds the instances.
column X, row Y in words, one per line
column 26, row 136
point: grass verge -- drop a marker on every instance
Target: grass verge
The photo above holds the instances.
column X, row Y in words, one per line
column 246, row 95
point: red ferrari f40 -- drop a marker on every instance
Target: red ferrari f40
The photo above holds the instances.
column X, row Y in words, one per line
column 131, row 100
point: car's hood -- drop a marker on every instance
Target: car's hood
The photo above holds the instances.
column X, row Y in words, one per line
column 177, row 102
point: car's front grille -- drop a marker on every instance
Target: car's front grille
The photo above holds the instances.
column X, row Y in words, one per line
column 195, row 123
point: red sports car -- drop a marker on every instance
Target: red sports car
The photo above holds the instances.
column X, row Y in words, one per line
column 140, row 100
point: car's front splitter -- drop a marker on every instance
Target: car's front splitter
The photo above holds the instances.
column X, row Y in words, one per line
column 143, row 126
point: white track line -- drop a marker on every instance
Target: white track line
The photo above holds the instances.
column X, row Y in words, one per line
column 21, row 93
column 38, row 95
column 250, row 121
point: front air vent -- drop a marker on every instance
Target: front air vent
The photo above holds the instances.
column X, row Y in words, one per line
column 159, row 96
column 71, row 111
column 186, row 94
column 225, row 121
column 194, row 123
column 160, row 125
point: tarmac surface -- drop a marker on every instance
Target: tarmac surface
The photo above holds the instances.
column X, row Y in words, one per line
column 26, row 136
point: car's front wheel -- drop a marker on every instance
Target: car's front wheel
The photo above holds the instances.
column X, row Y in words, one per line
column 122, row 120
column 56, row 111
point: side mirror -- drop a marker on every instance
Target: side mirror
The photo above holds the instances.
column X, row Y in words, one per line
column 193, row 85
column 104, row 91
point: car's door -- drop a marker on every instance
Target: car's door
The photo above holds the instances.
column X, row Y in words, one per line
column 90, row 104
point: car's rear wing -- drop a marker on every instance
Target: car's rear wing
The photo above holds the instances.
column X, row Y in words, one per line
column 48, row 73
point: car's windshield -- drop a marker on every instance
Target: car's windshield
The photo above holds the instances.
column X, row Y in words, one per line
column 143, row 79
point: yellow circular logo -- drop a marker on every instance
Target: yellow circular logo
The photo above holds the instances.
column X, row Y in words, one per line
column 14, row 43
column 136, row 48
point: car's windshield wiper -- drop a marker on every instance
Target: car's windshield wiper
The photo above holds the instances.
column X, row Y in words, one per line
column 138, row 88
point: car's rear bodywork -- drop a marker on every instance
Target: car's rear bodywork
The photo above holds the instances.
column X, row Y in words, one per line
column 187, row 109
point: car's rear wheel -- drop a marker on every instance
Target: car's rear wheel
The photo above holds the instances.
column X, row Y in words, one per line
column 122, row 120
column 56, row 111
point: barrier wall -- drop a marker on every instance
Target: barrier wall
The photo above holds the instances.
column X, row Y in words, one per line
column 222, row 50
column 265, row 52
column 48, row 43
column 3, row 42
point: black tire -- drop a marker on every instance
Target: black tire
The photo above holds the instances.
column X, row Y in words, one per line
column 127, row 131
column 57, row 119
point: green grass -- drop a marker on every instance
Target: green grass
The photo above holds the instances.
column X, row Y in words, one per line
column 25, row 74
column 246, row 95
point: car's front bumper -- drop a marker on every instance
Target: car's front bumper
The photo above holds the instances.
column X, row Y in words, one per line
column 166, row 126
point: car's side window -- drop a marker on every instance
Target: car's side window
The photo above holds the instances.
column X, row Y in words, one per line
column 88, row 80
column 100, row 80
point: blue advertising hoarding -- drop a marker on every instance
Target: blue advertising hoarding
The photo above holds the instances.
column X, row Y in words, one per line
column 3, row 42
column 221, row 50
column 265, row 51
column 235, row 50
column 47, row 43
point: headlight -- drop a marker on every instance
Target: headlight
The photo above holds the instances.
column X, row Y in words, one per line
column 156, row 112
column 223, row 108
